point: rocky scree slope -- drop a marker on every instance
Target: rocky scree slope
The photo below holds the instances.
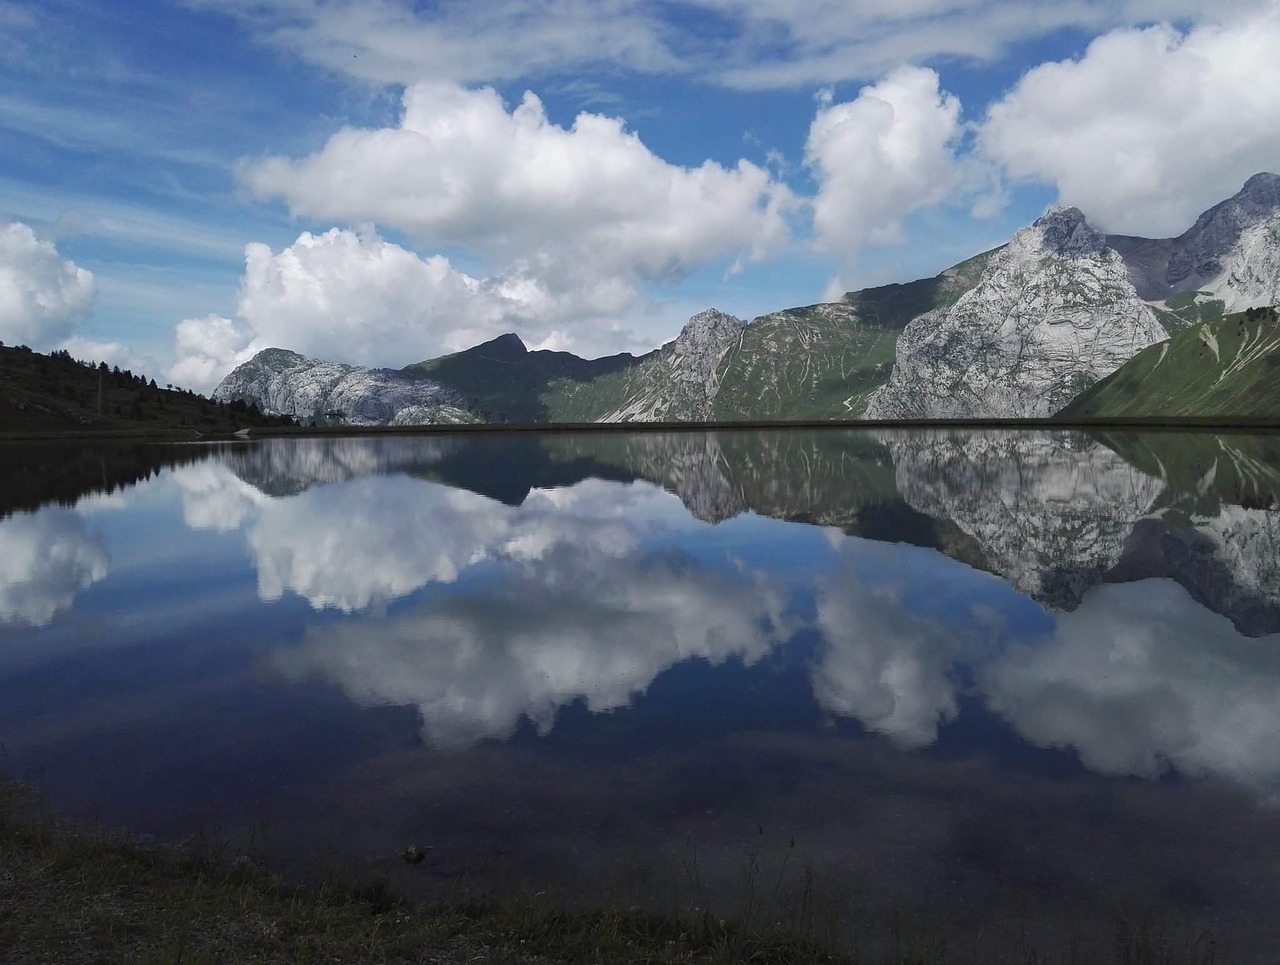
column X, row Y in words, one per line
column 281, row 382
column 677, row 383
column 1054, row 312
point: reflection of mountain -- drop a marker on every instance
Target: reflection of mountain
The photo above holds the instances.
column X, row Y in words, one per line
column 1054, row 513
column 35, row 474
column 1051, row 511
column 46, row 558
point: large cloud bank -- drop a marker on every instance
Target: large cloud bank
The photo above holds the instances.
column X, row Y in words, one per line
column 564, row 233
column 1150, row 126
column 573, row 220
column 42, row 295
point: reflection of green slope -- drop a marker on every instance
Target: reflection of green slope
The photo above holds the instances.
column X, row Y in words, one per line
column 507, row 382
column 1228, row 367
column 828, row 478
column 1204, row 471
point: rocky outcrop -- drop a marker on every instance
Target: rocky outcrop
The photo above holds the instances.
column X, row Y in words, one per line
column 679, row 382
column 280, row 382
column 1055, row 312
column 1231, row 253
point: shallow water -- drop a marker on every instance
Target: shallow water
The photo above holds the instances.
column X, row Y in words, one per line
column 996, row 683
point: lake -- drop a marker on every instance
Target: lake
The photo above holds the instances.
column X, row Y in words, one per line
column 1002, row 686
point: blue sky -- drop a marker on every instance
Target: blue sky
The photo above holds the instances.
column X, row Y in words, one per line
column 378, row 181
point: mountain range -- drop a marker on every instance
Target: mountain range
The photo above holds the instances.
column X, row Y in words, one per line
column 1063, row 319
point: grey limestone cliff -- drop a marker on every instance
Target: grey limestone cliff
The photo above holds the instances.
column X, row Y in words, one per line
column 280, row 382
column 679, row 381
column 1054, row 312
column 1231, row 253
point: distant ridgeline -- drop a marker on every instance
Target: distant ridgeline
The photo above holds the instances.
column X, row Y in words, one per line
column 52, row 393
column 1025, row 330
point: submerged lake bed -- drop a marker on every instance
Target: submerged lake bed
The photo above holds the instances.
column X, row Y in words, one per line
column 1004, row 685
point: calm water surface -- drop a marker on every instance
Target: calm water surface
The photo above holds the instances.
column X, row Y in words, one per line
column 992, row 681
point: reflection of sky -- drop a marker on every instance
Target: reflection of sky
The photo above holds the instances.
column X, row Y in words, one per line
column 377, row 658
column 46, row 558
column 480, row 615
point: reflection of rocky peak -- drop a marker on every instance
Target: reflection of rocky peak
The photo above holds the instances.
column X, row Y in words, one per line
column 280, row 382
column 1230, row 562
column 1052, row 511
column 1055, row 312
column 285, row 467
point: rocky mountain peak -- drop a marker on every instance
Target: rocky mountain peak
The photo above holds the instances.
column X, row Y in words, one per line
column 1200, row 254
column 1061, row 231
column 709, row 327
column 281, row 382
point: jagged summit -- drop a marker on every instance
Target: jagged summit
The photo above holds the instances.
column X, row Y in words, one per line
column 508, row 344
column 1016, row 331
column 1054, row 312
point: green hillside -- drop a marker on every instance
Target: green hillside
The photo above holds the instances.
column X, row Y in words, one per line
column 1226, row 367
column 892, row 306
column 824, row 361
column 56, row 393
column 507, row 383
column 820, row 362
column 1179, row 312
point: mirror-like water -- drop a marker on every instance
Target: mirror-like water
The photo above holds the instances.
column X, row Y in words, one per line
column 991, row 681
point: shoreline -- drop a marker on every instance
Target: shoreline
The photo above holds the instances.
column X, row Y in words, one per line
column 1241, row 424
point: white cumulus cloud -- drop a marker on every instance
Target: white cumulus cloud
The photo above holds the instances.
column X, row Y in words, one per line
column 1150, row 126
column 572, row 208
column 42, row 295
column 880, row 156
column 569, row 223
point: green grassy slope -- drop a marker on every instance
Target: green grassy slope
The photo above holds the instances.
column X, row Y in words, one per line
column 1227, row 367
column 820, row 362
column 56, row 393
column 508, row 383
column 824, row 361
column 1179, row 312
column 892, row 306
column 583, row 400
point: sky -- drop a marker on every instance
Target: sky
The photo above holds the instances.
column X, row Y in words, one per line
column 186, row 182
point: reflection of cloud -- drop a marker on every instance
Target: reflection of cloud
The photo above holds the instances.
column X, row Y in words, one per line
column 46, row 558
column 575, row 622
column 1140, row 678
column 350, row 545
column 214, row 498
column 881, row 663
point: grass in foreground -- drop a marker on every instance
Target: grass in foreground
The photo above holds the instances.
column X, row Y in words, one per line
column 71, row 894
column 77, row 895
